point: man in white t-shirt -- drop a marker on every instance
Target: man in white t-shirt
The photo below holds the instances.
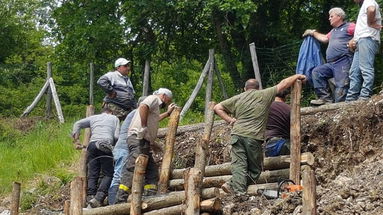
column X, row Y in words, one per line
column 366, row 41
column 142, row 133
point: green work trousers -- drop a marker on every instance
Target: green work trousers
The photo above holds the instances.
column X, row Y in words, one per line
column 246, row 162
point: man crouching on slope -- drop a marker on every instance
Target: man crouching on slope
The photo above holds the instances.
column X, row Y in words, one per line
column 249, row 112
column 141, row 136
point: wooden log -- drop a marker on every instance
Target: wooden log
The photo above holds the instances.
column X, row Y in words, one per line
column 66, row 207
column 173, row 210
column 220, row 81
column 188, row 128
column 270, row 163
column 151, row 203
column 193, row 178
column 56, row 101
column 295, row 132
column 76, row 196
column 202, row 147
column 145, row 88
column 138, row 179
column 178, row 209
column 91, row 82
column 213, row 205
column 328, row 107
column 15, row 202
column 196, row 89
column 49, row 93
column 169, row 150
column 217, row 181
column 254, row 60
column 309, row 191
column 84, row 154
column 209, row 84
column 36, row 100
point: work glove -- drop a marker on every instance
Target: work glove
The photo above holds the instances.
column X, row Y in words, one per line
column 308, row 32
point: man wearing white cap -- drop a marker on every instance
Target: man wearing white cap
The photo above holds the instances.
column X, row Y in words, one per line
column 119, row 89
column 141, row 138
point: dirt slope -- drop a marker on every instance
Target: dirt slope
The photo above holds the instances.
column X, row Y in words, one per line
column 347, row 145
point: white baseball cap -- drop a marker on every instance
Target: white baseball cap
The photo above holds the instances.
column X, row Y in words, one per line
column 163, row 91
column 121, row 62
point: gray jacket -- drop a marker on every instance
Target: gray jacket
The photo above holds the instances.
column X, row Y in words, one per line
column 115, row 82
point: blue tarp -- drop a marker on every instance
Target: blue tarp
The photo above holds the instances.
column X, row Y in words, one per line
column 309, row 57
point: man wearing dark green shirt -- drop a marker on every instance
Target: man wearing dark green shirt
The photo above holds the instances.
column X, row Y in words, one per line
column 248, row 113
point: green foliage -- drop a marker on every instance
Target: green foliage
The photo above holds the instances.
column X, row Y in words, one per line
column 44, row 148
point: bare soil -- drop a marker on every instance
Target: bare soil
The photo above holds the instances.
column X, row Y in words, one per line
column 347, row 145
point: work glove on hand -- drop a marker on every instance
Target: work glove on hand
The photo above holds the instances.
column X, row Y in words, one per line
column 308, row 32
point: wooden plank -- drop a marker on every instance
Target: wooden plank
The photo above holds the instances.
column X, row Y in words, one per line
column 309, row 191
column 295, row 132
column 48, row 111
column 169, row 151
column 254, row 59
column 36, row 100
column 137, row 186
column 76, row 196
column 56, row 100
column 145, row 88
column 15, row 202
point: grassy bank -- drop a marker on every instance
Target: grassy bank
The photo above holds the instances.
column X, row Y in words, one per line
column 24, row 154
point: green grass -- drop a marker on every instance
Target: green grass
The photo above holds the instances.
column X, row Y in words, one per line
column 40, row 151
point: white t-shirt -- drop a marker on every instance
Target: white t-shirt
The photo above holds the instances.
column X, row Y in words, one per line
column 153, row 102
column 362, row 30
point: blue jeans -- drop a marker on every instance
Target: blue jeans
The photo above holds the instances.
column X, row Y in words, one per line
column 362, row 70
column 120, row 156
column 337, row 70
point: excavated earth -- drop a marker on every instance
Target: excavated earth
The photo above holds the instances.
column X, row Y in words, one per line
column 347, row 145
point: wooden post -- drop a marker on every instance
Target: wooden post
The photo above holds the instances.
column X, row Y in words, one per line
column 145, row 88
column 295, row 132
column 169, row 150
column 49, row 92
column 220, row 81
column 202, row 146
column 196, row 89
column 76, row 196
column 66, row 207
column 254, row 59
column 211, row 205
column 138, row 178
column 37, row 99
column 192, row 186
column 309, row 191
column 210, row 78
column 56, row 100
column 91, row 81
column 15, row 198
column 84, row 154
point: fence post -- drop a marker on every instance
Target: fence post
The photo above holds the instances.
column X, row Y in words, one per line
column 91, row 81
column 15, row 198
column 145, row 88
column 209, row 85
column 254, row 59
column 49, row 92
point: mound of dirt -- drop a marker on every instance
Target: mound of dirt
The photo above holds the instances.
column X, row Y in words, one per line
column 347, row 145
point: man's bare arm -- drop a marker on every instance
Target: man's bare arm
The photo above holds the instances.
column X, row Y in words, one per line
column 371, row 20
column 287, row 82
column 221, row 112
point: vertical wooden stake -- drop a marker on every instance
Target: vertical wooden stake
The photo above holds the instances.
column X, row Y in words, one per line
column 196, row 89
column 169, row 150
column 84, row 154
column 15, row 198
column 91, row 81
column 220, row 81
column 145, row 88
column 76, row 196
column 66, row 207
column 49, row 92
column 309, row 191
column 295, row 132
column 138, row 178
column 56, row 100
column 192, row 185
column 209, row 85
column 203, row 145
column 254, row 59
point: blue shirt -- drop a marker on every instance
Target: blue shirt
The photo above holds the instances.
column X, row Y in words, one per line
column 121, row 143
